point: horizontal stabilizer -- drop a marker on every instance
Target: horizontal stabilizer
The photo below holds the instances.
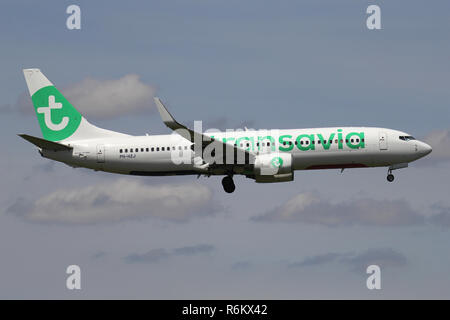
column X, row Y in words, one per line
column 45, row 144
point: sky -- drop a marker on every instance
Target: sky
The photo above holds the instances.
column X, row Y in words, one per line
column 262, row 64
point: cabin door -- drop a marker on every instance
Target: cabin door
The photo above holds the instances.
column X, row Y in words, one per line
column 383, row 141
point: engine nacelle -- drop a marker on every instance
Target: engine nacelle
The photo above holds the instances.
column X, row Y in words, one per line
column 273, row 167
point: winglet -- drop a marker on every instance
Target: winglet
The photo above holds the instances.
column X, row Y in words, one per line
column 166, row 117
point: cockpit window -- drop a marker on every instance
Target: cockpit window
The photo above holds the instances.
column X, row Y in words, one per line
column 406, row 138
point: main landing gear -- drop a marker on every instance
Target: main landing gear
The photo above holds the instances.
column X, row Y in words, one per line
column 228, row 184
column 390, row 176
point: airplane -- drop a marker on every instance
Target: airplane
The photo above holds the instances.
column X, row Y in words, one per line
column 266, row 156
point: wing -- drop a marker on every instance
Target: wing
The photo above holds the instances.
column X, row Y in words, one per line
column 241, row 157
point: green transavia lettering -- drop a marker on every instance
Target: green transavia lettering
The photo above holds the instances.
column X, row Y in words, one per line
column 303, row 142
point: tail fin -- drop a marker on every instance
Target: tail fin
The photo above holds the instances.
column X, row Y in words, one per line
column 58, row 119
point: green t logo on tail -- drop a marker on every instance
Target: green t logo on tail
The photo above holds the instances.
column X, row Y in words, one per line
column 57, row 118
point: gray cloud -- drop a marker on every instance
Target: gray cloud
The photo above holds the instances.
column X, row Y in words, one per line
column 383, row 257
column 317, row 260
column 193, row 250
column 6, row 108
column 311, row 209
column 156, row 255
column 116, row 201
column 152, row 256
column 23, row 105
column 440, row 142
column 100, row 98
column 111, row 98
column 241, row 265
column 223, row 123
column 99, row 255
column 442, row 217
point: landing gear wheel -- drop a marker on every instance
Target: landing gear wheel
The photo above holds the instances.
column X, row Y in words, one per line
column 390, row 177
column 228, row 184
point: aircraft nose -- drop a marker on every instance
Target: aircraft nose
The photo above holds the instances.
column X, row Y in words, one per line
column 424, row 148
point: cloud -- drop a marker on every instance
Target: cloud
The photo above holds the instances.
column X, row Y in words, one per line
column 110, row 98
column 99, row 255
column 311, row 209
column 442, row 217
column 156, row 255
column 6, row 108
column 440, row 142
column 117, row 201
column 241, row 265
column 383, row 257
column 317, row 260
column 100, row 99
column 193, row 250
column 23, row 105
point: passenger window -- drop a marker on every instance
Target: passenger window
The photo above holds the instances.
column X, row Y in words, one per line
column 318, row 141
column 152, row 149
column 137, row 149
column 146, row 149
column 362, row 140
column 335, row 141
column 357, row 140
column 179, row 147
column 120, row 150
column 346, row 140
column 126, row 150
column 351, row 140
column 157, row 148
column 185, row 147
column 268, row 144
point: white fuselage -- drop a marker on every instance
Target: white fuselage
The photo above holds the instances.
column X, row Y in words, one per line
column 315, row 148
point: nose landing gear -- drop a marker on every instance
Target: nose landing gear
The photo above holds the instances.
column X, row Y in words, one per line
column 390, row 176
column 228, row 184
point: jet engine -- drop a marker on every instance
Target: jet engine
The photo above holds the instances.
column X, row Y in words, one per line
column 273, row 167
